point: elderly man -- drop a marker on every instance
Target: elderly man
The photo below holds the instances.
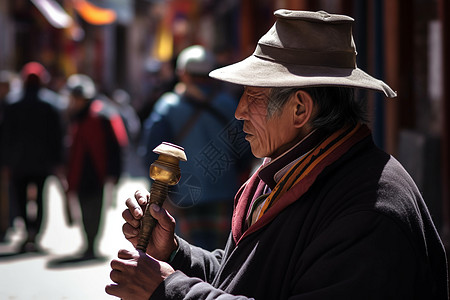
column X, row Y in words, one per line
column 328, row 215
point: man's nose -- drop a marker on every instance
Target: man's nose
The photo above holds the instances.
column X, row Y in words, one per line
column 241, row 109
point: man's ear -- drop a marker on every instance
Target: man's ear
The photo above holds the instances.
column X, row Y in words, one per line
column 303, row 108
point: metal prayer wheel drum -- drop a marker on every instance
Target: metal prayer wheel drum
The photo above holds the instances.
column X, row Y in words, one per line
column 166, row 168
column 164, row 171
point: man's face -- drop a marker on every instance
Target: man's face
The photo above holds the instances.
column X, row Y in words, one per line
column 268, row 136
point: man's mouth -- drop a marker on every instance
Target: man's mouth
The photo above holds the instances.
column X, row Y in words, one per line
column 248, row 135
column 246, row 132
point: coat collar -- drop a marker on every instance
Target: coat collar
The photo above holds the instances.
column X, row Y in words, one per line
column 268, row 174
column 272, row 170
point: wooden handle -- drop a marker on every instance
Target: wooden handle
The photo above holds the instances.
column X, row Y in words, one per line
column 158, row 193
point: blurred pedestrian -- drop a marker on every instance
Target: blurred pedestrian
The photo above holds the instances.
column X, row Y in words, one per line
column 199, row 116
column 5, row 221
column 94, row 158
column 132, row 122
column 158, row 78
column 122, row 100
column 32, row 148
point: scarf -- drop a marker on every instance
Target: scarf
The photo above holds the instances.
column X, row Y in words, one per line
column 301, row 176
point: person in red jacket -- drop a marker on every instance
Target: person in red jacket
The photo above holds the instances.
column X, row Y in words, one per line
column 96, row 139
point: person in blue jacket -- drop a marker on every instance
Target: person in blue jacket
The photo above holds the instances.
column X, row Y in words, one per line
column 328, row 215
column 199, row 116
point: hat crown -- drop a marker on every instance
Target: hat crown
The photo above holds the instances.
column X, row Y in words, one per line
column 309, row 38
column 319, row 16
column 304, row 49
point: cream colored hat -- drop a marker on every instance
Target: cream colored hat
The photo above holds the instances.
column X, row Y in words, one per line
column 303, row 49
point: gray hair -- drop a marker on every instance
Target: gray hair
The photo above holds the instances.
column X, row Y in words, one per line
column 337, row 106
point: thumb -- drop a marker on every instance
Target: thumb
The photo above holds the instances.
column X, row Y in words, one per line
column 163, row 217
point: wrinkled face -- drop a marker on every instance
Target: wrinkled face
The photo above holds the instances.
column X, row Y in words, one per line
column 268, row 136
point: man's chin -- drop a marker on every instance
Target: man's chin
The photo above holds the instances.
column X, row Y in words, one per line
column 256, row 152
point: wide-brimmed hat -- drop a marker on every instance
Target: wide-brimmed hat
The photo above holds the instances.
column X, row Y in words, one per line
column 304, row 49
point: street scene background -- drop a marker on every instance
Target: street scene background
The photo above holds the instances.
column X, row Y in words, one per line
column 129, row 50
column 54, row 274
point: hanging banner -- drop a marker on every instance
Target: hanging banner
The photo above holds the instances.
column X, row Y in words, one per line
column 124, row 9
column 93, row 14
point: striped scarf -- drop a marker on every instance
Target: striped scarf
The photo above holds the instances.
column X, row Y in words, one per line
column 311, row 164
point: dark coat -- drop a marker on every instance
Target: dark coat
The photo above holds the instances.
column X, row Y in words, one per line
column 32, row 139
column 361, row 231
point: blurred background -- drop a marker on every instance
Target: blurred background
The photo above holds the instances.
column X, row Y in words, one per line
column 129, row 49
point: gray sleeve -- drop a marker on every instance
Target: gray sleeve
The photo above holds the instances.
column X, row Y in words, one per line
column 180, row 286
column 196, row 262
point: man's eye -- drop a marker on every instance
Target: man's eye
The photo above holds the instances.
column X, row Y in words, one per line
column 251, row 98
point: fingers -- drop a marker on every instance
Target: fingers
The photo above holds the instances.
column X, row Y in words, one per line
column 118, row 275
column 142, row 197
column 127, row 254
column 120, row 265
column 117, row 265
column 114, row 290
column 129, row 231
column 130, row 218
column 136, row 204
column 134, row 208
column 134, row 213
column 132, row 275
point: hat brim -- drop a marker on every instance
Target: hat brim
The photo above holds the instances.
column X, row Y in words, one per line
column 254, row 71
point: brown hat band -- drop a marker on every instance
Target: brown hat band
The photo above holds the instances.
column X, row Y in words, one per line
column 336, row 59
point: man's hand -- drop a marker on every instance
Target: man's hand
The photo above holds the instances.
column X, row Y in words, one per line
column 162, row 242
column 136, row 275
